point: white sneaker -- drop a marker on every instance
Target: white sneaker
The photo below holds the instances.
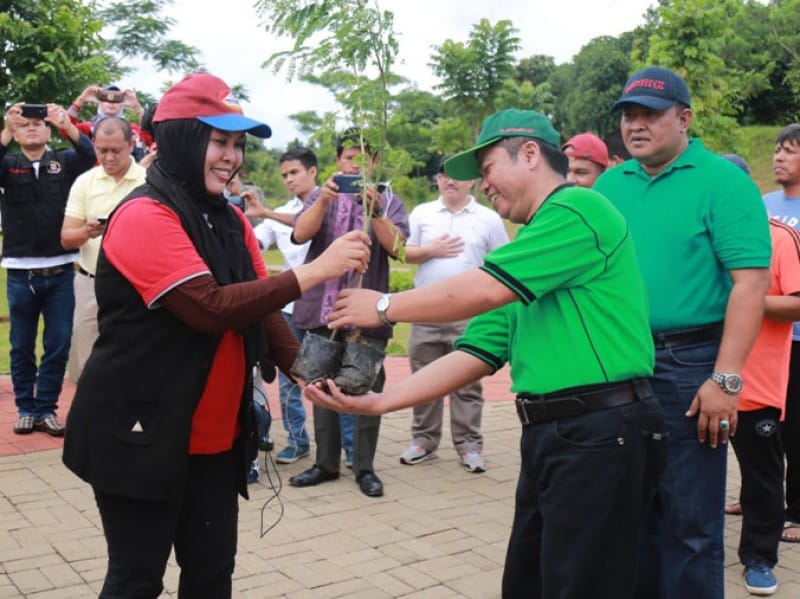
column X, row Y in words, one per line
column 416, row 454
column 473, row 462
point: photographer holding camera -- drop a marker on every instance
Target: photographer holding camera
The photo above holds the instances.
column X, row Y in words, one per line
column 40, row 271
column 111, row 102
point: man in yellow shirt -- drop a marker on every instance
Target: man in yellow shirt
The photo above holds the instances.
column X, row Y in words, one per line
column 91, row 199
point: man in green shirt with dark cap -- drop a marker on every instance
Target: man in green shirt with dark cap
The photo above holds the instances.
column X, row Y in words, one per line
column 564, row 304
column 702, row 240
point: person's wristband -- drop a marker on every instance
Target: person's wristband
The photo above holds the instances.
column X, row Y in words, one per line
column 74, row 110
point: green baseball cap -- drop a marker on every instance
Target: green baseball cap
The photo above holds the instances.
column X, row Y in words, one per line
column 506, row 123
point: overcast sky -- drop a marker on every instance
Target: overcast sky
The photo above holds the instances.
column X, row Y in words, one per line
column 233, row 44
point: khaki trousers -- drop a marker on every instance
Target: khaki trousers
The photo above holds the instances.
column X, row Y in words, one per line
column 84, row 325
column 426, row 343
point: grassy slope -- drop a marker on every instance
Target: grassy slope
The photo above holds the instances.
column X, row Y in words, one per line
column 757, row 146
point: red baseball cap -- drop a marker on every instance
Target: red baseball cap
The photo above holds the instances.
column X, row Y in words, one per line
column 587, row 146
column 208, row 99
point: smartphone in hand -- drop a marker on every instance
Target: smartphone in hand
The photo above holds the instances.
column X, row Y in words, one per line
column 349, row 183
column 34, row 111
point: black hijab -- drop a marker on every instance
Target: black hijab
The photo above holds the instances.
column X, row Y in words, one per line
column 177, row 180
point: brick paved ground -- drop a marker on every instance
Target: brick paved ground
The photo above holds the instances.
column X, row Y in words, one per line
column 439, row 532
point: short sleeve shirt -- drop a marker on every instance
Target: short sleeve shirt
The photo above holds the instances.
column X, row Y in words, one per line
column 271, row 232
column 480, row 228
column 146, row 243
column 342, row 215
column 766, row 371
column 786, row 210
column 691, row 224
column 95, row 194
column 581, row 317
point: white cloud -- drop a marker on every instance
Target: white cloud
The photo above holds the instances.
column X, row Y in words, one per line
column 234, row 46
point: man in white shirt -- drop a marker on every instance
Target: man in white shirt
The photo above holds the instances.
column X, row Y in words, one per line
column 93, row 196
column 299, row 172
column 448, row 236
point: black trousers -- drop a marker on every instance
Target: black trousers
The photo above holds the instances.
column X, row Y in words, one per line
column 584, row 488
column 201, row 524
column 758, row 448
column 790, row 435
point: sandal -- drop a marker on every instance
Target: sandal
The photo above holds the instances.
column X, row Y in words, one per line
column 734, row 509
column 787, row 536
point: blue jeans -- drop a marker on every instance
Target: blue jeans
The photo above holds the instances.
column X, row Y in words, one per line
column 30, row 296
column 347, row 426
column 682, row 548
column 293, row 413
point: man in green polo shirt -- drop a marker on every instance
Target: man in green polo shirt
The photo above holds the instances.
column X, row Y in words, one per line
column 564, row 304
column 702, row 240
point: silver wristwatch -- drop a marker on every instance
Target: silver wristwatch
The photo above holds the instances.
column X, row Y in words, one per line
column 730, row 383
column 382, row 305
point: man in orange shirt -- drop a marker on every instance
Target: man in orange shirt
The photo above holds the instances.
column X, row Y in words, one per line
column 757, row 442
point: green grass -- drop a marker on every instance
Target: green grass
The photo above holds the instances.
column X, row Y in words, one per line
column 758, row 144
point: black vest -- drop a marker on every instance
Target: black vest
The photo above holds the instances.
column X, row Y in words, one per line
column 129, row 425
column 33, row 209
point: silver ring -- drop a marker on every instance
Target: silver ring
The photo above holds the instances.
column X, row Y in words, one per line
column 723, row 425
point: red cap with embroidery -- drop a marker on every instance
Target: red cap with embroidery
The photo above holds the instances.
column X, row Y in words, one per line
column 208, row 99
column 589, row 147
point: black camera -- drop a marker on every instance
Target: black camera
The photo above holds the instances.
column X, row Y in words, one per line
column 106, row 95
column 34, row 111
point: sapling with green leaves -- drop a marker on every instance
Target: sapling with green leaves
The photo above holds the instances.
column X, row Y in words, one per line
column 352, row 43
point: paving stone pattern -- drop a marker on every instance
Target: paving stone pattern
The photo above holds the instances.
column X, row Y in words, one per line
column 439, row 532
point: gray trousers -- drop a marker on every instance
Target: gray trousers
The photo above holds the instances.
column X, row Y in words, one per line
column 426, row 343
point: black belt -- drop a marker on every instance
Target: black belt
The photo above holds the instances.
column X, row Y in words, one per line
column 83, row 271
column 575, row 401
column 48, row 271
column 712, row 332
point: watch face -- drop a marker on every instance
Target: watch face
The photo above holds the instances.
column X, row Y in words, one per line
column 383, row 303
column 733, row 383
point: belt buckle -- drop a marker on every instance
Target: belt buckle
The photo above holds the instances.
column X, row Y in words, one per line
column 522, row 412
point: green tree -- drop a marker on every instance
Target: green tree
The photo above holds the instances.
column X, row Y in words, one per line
column 472, row 74
column 51, row 49
column 784, row 20
column 414, row 114
column 525, row 95
column 141, row 31
column 536, row 69
column 260, row 167
column 688, row 36
column 451, row 134
column 588, row 86
column 338, row 37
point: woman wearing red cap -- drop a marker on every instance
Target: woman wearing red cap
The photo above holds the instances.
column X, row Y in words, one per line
column 161, row 424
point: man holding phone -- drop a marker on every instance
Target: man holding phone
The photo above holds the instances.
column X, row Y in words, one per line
column 327, row 214
column 111, row 102
column 40, row 271
column 92, row 198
